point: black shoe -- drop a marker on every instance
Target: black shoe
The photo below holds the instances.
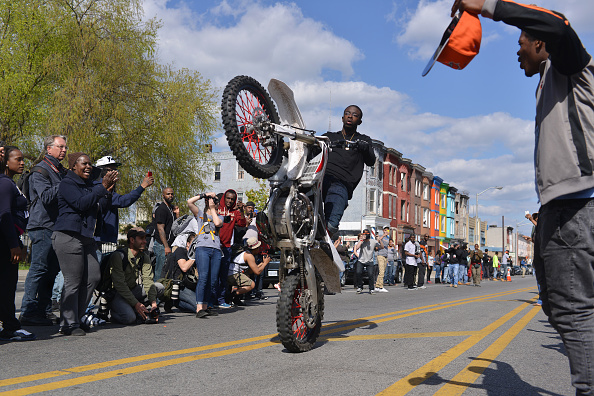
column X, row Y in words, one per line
column 202, row 313
column 212, row 312
column 73, row 332
column 52, row 316
column 168, row 306
column 55, row 306
column 35, row 321
column 238, row 302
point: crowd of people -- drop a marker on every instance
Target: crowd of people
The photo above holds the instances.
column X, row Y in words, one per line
column 70, row 213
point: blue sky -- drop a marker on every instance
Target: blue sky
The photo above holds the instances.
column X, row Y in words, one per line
column 473, row 128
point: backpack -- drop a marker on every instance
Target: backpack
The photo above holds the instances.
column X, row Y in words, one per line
column 23, row 182
column 180, row 224
column 105, row 284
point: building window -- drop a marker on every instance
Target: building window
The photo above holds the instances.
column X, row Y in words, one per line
column 240, row 196
column 436, row 225
column 394, row 203
column 372, row 169
column 426, row 192
column 217, row 172
column 402, row 181
column 390, row 177
column 443, row 201
column 426, row 217
column 390, row 205
column 443, row 224
column 240, row 172
column 483, row 242
column 403, row 210
column 372, row 201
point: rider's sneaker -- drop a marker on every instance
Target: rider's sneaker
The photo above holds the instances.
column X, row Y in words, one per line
column 359, row 290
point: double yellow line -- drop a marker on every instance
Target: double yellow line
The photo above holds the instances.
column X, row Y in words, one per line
column 269, row 340
column 466, row 377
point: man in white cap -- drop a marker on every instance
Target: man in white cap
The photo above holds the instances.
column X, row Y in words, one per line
column 111, row 220
column 243, row 262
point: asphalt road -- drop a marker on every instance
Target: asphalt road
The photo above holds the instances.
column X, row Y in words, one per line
column 474, row 341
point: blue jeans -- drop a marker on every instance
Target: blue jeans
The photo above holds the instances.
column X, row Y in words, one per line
column 454, row 268
column 208, row 262
column 37, row 300
column 437, row 269
column 58, row 286
column 336, row 200
column 390, row 273
column 463, row 273
column 187, row 300
column 224, row 269
column 159, row 251
column 564, row 264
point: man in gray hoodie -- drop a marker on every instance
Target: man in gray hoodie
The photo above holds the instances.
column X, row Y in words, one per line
column 564, row 164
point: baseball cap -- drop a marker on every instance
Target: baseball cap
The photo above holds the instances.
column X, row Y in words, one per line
column 253, row 243
column 107, row 160
column 135, row 231
column 459, row 44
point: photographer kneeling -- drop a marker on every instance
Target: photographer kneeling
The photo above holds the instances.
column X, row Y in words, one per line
column 243, row 262
column 133, row 282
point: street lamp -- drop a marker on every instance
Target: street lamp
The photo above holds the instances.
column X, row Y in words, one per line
column 477, row 225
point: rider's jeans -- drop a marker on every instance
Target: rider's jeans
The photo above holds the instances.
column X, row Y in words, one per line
column 336, row 200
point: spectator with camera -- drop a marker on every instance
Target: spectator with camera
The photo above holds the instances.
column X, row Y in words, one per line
column 132, row 277
column 364, row 250
column 111, row 219
column 45, row 177
column 207, row 252
column 232, row 211
column 243, row 263
column 177, row 266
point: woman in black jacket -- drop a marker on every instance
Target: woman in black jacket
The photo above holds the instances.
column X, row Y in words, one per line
column 13, row 221
column 79, row 215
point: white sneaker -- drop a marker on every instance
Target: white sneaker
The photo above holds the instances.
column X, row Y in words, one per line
column 382, row 290
column 359, row 290
column 420, row 287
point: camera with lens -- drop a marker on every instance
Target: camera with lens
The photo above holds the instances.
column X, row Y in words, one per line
column 152, row 317
column 207, row 197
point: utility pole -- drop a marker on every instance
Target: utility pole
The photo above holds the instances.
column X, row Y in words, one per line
column 502, row 235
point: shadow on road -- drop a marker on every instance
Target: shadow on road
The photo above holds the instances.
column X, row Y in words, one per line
column 497, row 381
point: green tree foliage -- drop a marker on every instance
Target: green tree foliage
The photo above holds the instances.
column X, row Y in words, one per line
column 101, row 85
column 259, row 196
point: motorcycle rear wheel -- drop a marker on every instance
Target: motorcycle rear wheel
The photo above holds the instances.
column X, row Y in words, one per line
column 258, row 152
column 293, row 331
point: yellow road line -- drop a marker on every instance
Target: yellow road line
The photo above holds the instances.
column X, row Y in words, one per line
column 404, row 335
column 130, row 370
column 466, row 377
column 361, row 322
column 418, row 376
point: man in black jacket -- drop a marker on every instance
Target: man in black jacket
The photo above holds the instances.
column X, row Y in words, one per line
column 345, row 166
column 36, row 307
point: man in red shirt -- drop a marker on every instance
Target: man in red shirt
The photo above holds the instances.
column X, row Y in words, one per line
column 233, row 213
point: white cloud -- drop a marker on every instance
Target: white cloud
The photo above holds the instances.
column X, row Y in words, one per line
column 253, row 39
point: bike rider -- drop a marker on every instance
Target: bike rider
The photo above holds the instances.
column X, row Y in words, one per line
column 345, row 166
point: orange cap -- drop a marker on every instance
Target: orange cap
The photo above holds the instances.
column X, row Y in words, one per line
column 460, row 42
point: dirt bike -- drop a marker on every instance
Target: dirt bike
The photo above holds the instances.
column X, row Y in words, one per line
column 294, row 160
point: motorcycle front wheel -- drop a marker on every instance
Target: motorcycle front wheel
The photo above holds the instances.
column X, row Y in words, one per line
column 246, row 107
column 298, row 327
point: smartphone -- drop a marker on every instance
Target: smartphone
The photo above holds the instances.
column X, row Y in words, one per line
column 149, row 174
